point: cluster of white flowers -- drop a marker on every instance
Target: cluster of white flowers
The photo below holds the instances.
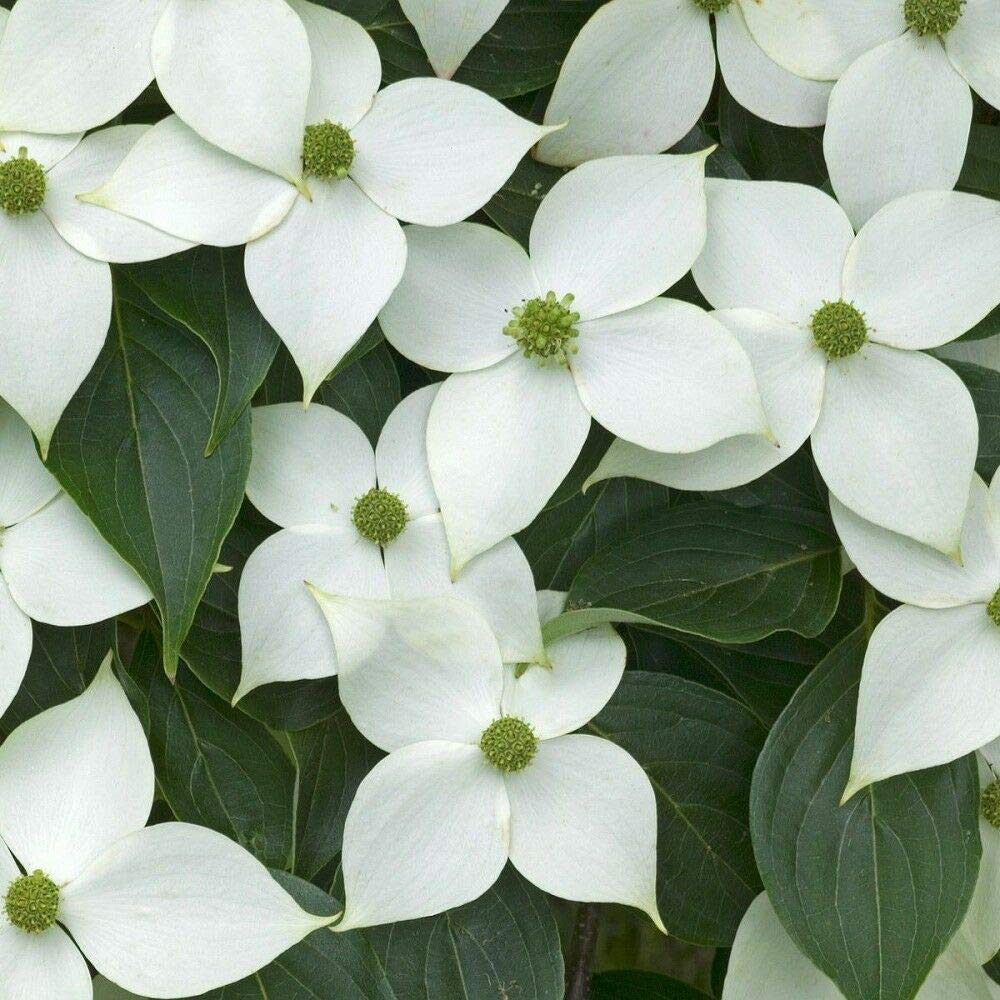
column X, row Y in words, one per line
column 394, row 566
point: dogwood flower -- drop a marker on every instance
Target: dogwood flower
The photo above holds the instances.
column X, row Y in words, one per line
column 170, row 910
column 55, row 284
column 836, row 325
column 542, row 345
column 481, row 768
column 54, row 566
column 906, row 105
column 449, row 29
column 320, row 265
column 363, row 523
column 640, row 73
column 930, row 688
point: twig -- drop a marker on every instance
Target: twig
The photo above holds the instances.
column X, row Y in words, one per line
column 581, row 954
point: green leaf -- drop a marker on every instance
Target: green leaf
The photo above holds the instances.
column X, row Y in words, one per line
column 130, row 451
column 219, row 768
column 63, row 662
column 331, row 758
column 502, row 946
column 721, row 572
column 981, row 170
column 871, row 891
column 213, row 650
column 513, row 207
column 204, row 289
column 698, row 748
column 363, row 11
column 522, row 52
column 793, row 483
column 984, row 387
column 634, row 985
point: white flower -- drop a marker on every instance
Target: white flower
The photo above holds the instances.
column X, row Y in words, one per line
column 607, row 240
column 320, row 267
column 55, row 284
column 985, row 352
column 54, row 566
column 640, row 73
column 905, row 106
column 480, row 767
column 930, row 688
column 448, row 29
column 363, row 523
column 170, row 910
column 894, row 431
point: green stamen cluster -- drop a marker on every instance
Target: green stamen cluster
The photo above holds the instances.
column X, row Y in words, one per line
column 32, row 902
column 545, row 328
column 932, row 17
column 509, row 744
column 839, row 329
column 713, row 6
column 380, row 516
column 990, row 804
column 993, row 608
column 22, row 184
column 327, row 151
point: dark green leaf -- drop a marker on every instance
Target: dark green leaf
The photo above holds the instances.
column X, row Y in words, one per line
column 513, row 207
column 204, row 290
column 502, row 946
column 721, row 572
column 219, row 768
column 794, row 483
column 364, row 11
column 981, row 170
column 332, row 758
column 872, row 891
column 63, row 662
column 698, row 748
column 633, row 985
column 984, row 386
column 130, row 451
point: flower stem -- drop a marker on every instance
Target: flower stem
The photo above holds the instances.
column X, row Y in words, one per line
column 581, row 953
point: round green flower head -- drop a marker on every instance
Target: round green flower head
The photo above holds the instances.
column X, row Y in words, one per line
column 932, row 17
column 32, row 902
column 713, row 6
column 22, row 184
column 993, row 608
column 545, row 328
column 327, row 151
column 839, row 329
column 509, row 744
column 379, row 515
column 990, row 804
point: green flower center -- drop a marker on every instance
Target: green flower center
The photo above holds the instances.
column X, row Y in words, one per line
column 932, row 17
column 22, row 184
column 327, row 151
column 990, row 804
column 380, row 516
column 993, row 608
column 545, row 328
column 509, row 744
column 32, row 902
column 712, row 6
column 839, row 329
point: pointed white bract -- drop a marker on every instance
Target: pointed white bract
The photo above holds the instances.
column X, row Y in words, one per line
column 449, row 29
column 479, row 767
column 607, row 240
column 930, row 687
column 325, row 247
column 310, row 473
column 169, row 911
column 54, row 566
column 640, row 73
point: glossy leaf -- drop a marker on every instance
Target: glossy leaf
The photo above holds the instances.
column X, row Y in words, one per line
column 635, row 985
column 984, row 387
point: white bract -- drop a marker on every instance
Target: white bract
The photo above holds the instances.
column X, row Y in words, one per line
column 899, row 116
column 640, row 73
column 54, row 566
column 362, row 523
column 171, row 910
column 480, row 767
column 448, row 29
column 55, row 283
column 321, row 264
column 542, row 345
column 985, row 352
column 836, row 326
column 930, row 688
